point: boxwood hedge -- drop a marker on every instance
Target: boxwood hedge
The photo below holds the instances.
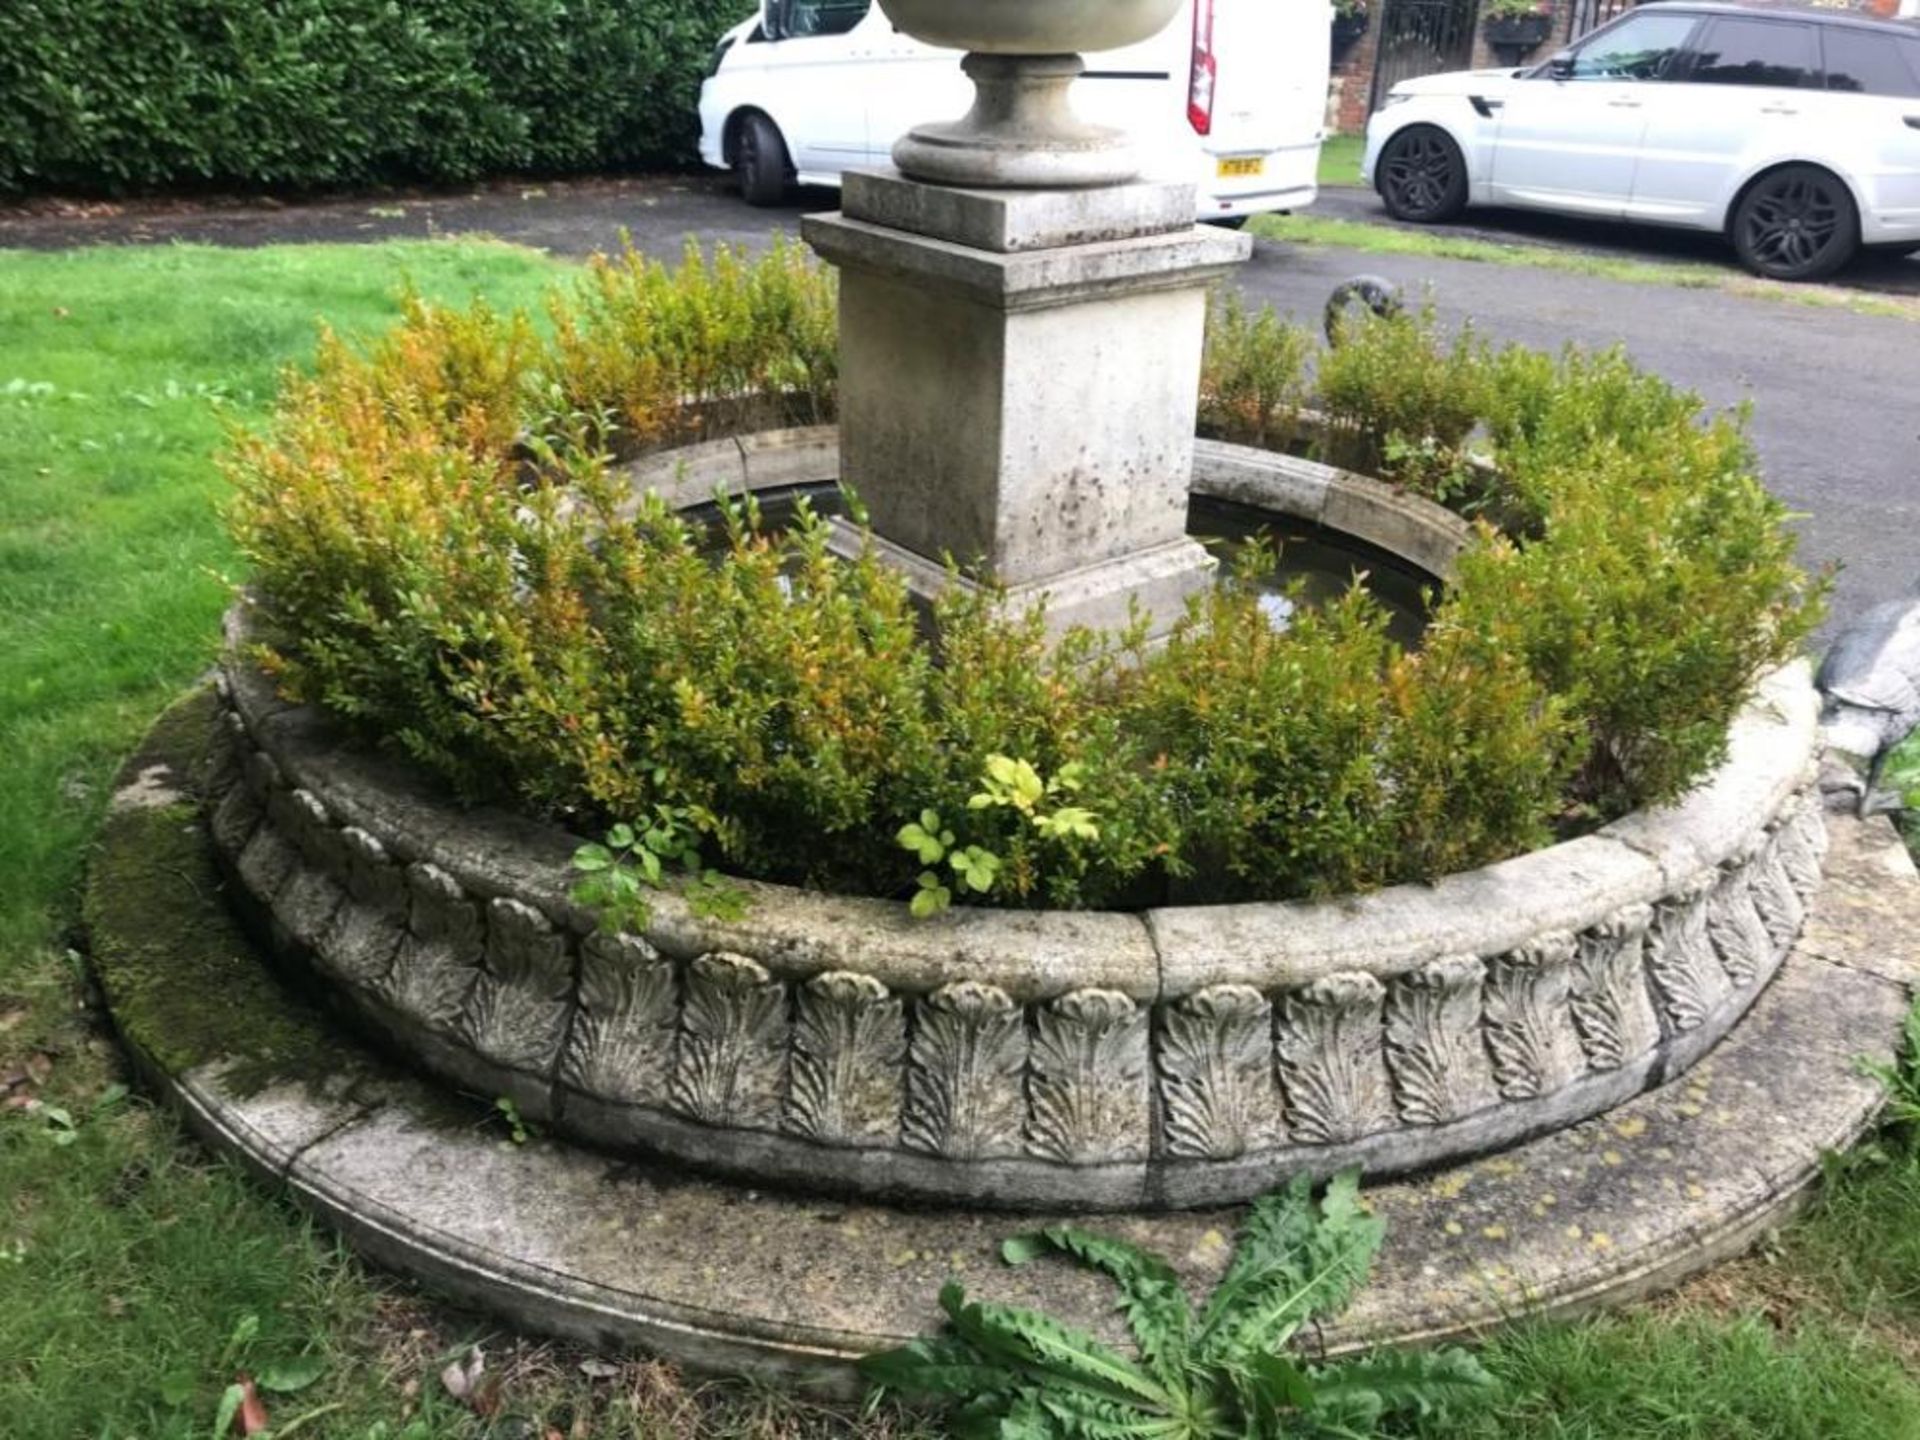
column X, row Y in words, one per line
column 439, row 532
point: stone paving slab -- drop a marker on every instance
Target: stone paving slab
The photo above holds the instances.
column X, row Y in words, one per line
column 562, row 1239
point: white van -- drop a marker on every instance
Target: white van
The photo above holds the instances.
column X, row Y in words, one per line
column 1232, row 95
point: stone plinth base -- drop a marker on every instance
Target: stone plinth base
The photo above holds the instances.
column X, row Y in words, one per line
column 1019, row 380
column 1156, row 583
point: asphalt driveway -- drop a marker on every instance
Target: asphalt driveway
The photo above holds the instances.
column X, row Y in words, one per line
column 1835, row 394
column 1880, row 273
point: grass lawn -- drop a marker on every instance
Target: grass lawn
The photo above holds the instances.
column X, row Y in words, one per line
column 1340, row 159
column 137, row 1277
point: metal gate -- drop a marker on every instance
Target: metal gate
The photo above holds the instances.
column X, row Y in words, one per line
column 1421, row 37
column 1585, row 15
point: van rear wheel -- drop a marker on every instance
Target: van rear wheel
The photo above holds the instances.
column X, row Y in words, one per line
column 760, row 161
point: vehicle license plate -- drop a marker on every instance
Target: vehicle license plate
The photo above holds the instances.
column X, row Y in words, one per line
column 1232, row 165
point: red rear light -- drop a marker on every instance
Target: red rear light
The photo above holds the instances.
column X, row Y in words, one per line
column 1205, row 71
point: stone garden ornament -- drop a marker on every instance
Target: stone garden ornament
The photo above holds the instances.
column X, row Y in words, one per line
column 1869, row 686
column 1022, row 56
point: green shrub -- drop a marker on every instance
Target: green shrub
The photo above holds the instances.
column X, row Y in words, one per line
column 439, row 529
column 1400, row 400
column 717, row 347
column 106, row 95
column 1253, row 379
column 1223, row 1371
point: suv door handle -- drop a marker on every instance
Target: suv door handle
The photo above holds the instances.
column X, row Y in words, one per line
column 1624, row 104
column 1779, row 110
column 1913, row 122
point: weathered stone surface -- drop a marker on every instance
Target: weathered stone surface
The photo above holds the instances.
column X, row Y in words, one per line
column 1388, row 932
column 1263, row 479
column 956, row 366
column 1530, row 1024
column 1402, row 524
column 1435, row 1047
column 1088, row 1084
column 621, row 1047
column 726, row 1277
column 1332, row 1066
column 965, row 1071
column 1769, row 746
column 1217, row 1078
column 849, row 1053
column 837, row 1044
column 1003, row 220
column 730, row 1065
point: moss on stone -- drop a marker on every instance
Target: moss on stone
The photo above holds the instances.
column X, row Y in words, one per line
column 185, row 985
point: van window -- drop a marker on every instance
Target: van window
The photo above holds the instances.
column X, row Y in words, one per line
column 1638, row 49
column 1756, row 52
column 1869, row 63
column 797, row 18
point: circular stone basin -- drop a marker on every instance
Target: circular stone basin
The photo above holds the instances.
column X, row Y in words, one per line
column 1031, row 27
column 1314, row 564
column 1172, row 1057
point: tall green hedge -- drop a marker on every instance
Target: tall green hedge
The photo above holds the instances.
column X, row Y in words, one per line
column 120, row 95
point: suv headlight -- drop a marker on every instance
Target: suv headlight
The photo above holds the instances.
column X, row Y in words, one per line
column 719, row 54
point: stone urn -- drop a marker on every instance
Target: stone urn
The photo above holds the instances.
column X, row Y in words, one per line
column 1022, row 56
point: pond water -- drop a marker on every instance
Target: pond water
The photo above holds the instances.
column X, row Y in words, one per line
column 1321, row 562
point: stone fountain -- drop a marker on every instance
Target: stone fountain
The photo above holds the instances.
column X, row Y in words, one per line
column 736, row 1108
column 1021, row 319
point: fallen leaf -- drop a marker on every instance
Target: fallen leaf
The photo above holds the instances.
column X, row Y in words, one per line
column 462, row 1376
column 599, row 1369
column 486, row 1397
column 39, row 1067
column 253, row 1414
column 291, row 1375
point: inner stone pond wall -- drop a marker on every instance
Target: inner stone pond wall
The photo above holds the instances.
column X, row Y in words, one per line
column 1174, row 1057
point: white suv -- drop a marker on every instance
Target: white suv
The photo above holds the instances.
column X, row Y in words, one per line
column 1796, row 133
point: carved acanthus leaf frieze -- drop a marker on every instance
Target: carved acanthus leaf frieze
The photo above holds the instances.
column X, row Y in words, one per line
column 1774, row 896
column 1088, row 1079
column 1734, row 925
column 1530, row 1025
column 730, row 1063
column 1680, row 956
column 1332, row 1064
column 1218, row 1090
column 365, row 932
column 517, row 1012
column 965, row 1075
column 849, row 1054
column 438, row 963
column 1608, row 996
column 622, row 1042
column 1433, row 1043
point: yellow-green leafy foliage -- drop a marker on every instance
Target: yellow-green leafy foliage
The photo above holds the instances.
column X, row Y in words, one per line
column 450, row 558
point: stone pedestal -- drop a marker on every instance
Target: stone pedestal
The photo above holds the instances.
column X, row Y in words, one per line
column 1019, row 381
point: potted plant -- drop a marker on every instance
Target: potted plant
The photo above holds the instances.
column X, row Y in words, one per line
column 1349, row 22
column 1517, row 24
